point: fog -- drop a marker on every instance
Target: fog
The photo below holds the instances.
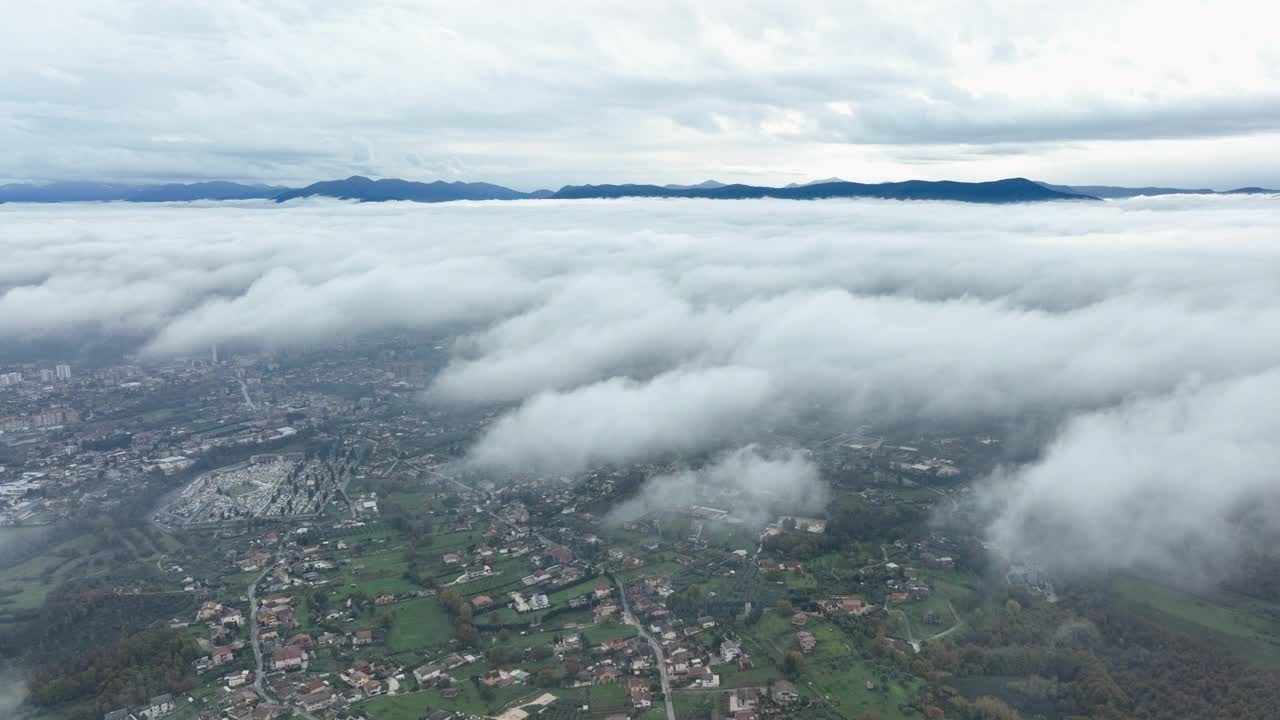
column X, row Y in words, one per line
column 1146, row 330
column 753, row 484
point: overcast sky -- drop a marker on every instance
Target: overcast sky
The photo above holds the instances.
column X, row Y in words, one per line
column 549, row 93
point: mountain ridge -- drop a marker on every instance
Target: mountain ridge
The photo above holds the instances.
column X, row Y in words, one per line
column 1114, row 192
column 364, row 189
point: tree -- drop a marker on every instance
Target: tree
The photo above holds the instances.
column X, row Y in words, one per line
column 784, row 607
column 792, row 664
column 467, row 633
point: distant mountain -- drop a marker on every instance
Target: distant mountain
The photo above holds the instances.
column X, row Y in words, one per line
column 998, row 191
column 215, row 190
column 1251, row 191
column 704, row 185
column 362, row 188
column 1112, row 192
column 817, row 182
column 107, row 192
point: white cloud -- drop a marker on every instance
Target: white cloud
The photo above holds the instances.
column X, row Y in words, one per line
column 752, row 484
column 613, row 331
column 567, row 92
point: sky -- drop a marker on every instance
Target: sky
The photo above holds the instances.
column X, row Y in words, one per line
column 1138, row 340
column 551, row 93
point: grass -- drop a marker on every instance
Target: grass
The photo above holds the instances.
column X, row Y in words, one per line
column 1244, row 625
column 610, row 696
column 413, row 706
column 563, row 596
column 760, row 675
column 843, row 684
column 700, row 705
column 419, row 624
column 835, row 671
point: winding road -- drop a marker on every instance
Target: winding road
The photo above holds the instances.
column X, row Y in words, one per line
column 258, row 675
column 630, row 619
column 253, row 626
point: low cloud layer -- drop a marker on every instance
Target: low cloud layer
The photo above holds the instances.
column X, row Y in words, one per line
column 752, row 484
column 613, row 331
column 1173, row 483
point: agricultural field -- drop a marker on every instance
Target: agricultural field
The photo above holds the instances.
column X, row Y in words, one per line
column 1247, row 626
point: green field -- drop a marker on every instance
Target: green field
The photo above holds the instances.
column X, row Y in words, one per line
column 414, row 706
column 420, row 624
column 1248, row 627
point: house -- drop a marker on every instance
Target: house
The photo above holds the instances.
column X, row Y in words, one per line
column 807, row 642
column 208, row 611
column 428, row 675
column 384, row 598
column 363, row 637
column 481, row 602
column 317, row 700
column 288, row 657
column 602, row 591
column 783, row 692
column 746, row 698
column 302, row 640
column 236, row 679
column 641, row 698
column 221, row 654
column 159, row 706
column 560, row 554
column 730, row 650
column 119, row 715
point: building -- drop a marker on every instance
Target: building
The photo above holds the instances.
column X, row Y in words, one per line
column 159, row 706
column 63, row 371
column 317, row 700
column 783, row 692
column 428, row 675
column 807, row 641
column 288, row 657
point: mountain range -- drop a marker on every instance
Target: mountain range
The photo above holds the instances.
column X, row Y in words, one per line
column 365, row 189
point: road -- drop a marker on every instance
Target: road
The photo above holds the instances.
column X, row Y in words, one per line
column 258, row 675
column 253, row 625
column 951, row 629
column 630, row 619
column 244, row 390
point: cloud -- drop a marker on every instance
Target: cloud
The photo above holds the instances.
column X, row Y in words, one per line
column 751, row 483
column 1173, row 484
column 605, row 332
column 620, row 420
column 562, row 93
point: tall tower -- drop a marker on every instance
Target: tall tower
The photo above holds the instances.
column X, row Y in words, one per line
column 214, row 353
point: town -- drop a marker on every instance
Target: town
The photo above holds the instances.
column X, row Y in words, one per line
column 298, row 522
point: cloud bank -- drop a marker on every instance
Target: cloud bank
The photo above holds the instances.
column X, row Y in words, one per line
column 751, row 483
column 613, row 331
column 562, row 93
